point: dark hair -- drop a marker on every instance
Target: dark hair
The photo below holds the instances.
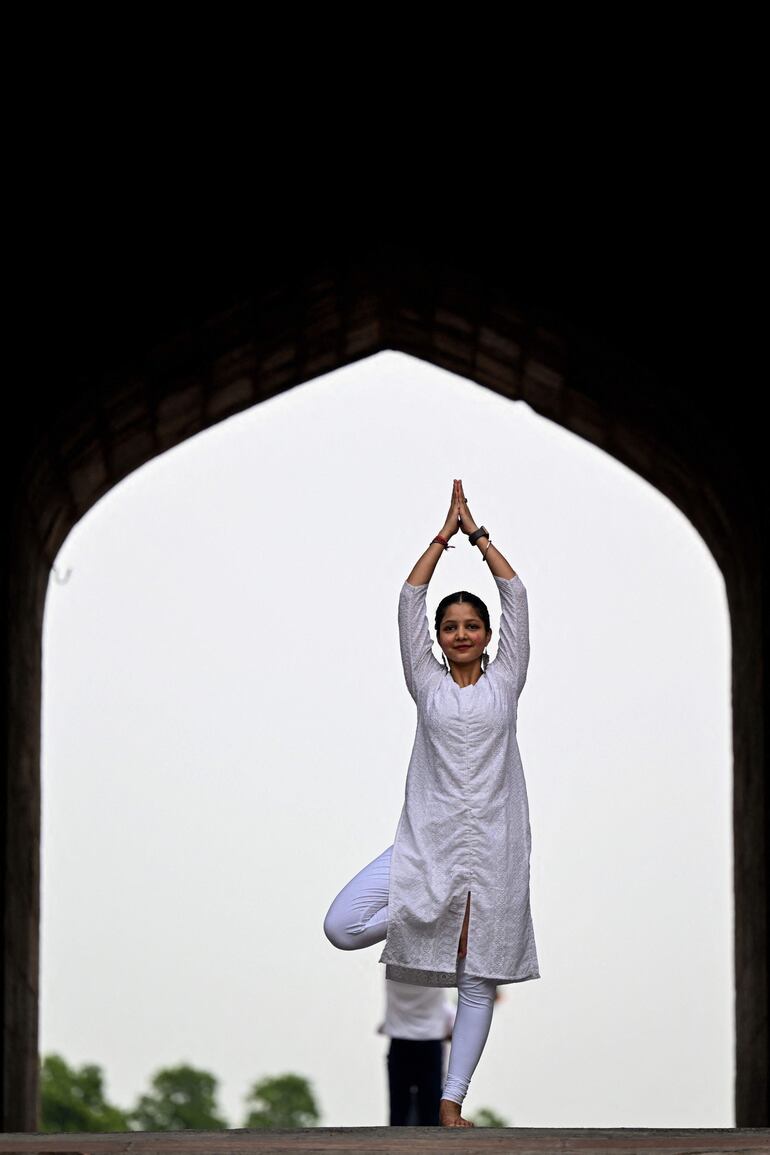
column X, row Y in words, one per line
column 457, row 599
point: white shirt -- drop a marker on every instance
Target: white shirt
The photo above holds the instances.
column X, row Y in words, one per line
column 464, row 825
column 416, row 1012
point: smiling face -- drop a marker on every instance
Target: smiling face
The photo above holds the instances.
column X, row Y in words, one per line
column 462, row 634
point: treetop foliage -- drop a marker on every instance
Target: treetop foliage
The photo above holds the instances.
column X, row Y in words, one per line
column 73, row 1100
column 180, row 1098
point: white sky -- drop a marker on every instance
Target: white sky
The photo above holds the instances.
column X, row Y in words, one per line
column 226, row 735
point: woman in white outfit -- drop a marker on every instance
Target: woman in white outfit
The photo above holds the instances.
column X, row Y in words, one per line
column 463, row 836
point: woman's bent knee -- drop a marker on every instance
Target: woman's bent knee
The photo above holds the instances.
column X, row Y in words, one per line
column 335, row 932
column 337, row 929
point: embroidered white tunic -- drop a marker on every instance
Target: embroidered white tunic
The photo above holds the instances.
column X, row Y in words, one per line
column 464, row 825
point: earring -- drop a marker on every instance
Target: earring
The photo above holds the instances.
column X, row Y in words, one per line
column 484, row 661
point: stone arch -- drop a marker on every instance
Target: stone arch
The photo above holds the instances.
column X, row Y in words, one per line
column 180, row 374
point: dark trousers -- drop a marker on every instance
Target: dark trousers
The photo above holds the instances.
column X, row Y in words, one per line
column 414, row 1077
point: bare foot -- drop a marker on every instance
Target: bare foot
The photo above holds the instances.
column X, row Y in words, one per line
column 449, row 1115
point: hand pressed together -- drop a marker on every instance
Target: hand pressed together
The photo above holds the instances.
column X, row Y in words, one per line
column 467, row 524
column 459, row 515
column 458, row 519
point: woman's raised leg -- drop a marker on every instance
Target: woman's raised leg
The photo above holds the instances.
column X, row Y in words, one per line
column 358, row 916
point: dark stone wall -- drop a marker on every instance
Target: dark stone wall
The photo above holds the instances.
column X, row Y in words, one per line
column 133, row 360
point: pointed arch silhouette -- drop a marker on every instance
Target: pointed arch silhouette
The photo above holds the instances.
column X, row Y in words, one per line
column 138, row 379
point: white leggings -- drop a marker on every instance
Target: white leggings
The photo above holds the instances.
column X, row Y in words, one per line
column 358, row 917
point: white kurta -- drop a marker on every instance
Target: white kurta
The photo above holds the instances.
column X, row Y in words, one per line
column 464, row 825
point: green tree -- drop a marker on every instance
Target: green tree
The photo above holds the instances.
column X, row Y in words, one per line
column 73, row 1100
column 484, row 1117
column 282, row 1101
column 181, row 1099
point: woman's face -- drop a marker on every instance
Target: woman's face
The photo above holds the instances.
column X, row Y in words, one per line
column 462, row 634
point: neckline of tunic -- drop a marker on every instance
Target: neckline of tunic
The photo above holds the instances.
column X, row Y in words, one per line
column 468, row 687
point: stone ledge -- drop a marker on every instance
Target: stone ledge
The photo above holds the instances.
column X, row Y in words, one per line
column 401, row 1141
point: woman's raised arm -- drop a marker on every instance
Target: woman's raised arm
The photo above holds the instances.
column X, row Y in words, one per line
column 423, row 568
column 513, row 643
column 416, row 642
column 491, row 554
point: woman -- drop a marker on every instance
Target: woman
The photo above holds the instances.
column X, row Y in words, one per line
column 463, row 839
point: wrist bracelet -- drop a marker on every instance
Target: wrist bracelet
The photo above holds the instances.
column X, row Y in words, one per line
column 439, row 540
column 482, row 531
column 486, row 551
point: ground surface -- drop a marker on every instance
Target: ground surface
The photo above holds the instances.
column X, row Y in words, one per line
column 400, row 1141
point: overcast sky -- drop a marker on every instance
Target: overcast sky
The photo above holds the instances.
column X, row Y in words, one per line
column 226, row 734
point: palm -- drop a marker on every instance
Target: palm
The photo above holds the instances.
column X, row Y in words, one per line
column 467, row 524
column 452, row 523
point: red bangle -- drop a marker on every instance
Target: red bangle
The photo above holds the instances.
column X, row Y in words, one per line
column 442, row 541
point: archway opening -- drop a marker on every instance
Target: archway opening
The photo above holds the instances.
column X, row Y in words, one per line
column 257, row 566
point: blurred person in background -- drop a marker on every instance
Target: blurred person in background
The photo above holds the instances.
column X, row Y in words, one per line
column 418, row 1021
